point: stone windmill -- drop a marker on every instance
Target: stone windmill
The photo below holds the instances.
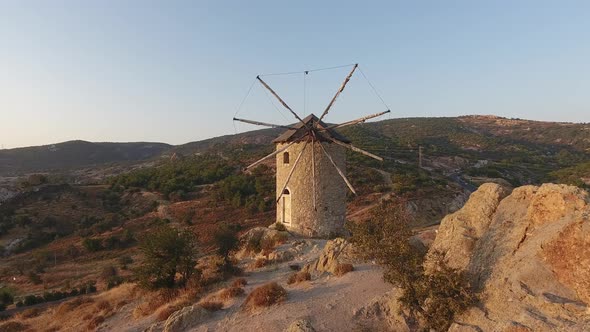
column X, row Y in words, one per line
column 310, row 175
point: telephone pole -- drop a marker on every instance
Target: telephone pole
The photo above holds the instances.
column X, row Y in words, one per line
column 420, row 156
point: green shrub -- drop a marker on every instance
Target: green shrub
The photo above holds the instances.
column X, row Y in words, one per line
column 124, row 261
column 34, row 278
column 435, row 298
column 178, row 176
column 167, row 252
column 92, row 245
column 32, row 299
column 6, row 297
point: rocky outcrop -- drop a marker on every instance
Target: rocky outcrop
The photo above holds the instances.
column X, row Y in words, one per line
column 458, row 232
column 185, row 318
column 300, row 325
column 6, row 194
column 528, row 254
column 335, row 252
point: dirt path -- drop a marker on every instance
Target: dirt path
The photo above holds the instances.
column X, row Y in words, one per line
column 327, row 302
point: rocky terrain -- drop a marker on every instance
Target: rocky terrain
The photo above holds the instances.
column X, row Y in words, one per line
column 70, row 211
column 529, row 254
column 526, row 251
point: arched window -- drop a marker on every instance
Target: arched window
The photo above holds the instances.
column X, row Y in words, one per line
column 286, row 158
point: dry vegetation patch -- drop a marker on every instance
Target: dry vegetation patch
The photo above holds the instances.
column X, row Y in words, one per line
column 239, row 282
column 231, row 292
column 343, row 268
column 29, row 313
column 69, row 306
column 168, row 310
column 260, row 262
column 78, row 314
column 95, row 322
column 266, row 295
column 13, row 326
column 298, row 277
column 211, row 305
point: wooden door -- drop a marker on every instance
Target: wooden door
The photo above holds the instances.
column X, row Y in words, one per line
column 287, row 207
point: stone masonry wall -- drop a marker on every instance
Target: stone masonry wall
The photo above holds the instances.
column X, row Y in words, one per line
column 329, row 214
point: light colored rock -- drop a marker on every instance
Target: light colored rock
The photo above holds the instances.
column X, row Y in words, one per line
column 281, row 256
column 300, row 325
column 186, row 318
column 335, row 252
column 528, row 254
column 259, row 234
column 156, row 327
column 458, row 232
column 383, row 313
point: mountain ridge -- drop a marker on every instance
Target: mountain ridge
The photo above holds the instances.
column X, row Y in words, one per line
column 459, row 135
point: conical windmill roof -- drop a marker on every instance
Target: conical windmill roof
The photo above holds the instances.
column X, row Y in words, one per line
column 300, row 130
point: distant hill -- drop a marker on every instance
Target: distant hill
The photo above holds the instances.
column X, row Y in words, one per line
column 75, row 154
column 538, row 144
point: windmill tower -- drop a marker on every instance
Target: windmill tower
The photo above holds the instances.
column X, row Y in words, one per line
column 310, row 174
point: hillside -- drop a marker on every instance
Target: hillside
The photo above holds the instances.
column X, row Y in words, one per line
column 520, row 151
column 96, row 199
column 75, row 154
column 523, row 250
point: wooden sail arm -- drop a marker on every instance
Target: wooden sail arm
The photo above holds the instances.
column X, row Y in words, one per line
column 270, row 155
column 291, row 171
column 279, row 98
column 313, row 170
column 258, row 123
column 339, row 91
column 355, row 149
column 353, row 122
column 338, row 169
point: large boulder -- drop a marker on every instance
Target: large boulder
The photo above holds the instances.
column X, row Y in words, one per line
column 335, row 252
column 257, row 237
column 186, row 318
column 528, row 254
column 458, row 232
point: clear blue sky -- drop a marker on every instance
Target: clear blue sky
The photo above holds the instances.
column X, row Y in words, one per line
column 176, row 71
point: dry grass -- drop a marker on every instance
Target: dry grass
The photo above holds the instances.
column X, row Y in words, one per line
column 239, row 282
column 165, row 302
column 165, row 312
column 260, row 262
column 298, row 277
column 342, row 269
column 13, row 326
column 69, row 306
column 231, row 292
column 211, row 305
column 265, row 295
column 29, row 313
column 95, row 322
column 155, row 300
column 103, row 305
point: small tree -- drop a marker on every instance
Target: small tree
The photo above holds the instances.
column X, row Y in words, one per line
column 434, row 298
column 226, row 239
column 167, row 251
column 6, row 297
